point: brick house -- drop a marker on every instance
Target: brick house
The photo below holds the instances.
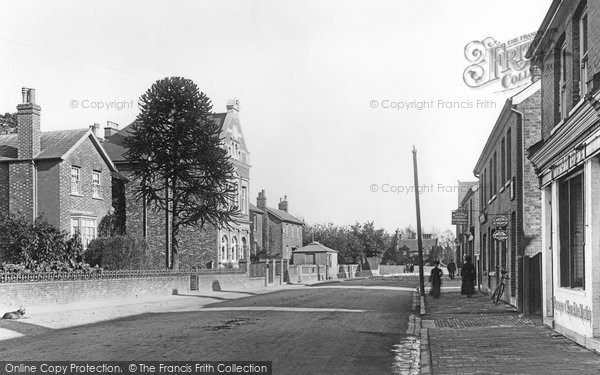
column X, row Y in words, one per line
column 64, row 176
column 565, row 53
column 198, row 247
column 463, row 231
column 508, row 194
column 281, row 232
column 468, row 234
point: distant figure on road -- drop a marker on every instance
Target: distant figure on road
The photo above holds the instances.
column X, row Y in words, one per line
column 451, row 269
column 468, row 277
column 412, row 268
column 436, row 280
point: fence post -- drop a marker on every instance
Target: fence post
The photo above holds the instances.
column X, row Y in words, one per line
column 267, row 272
column 299, row 273
column 273, row 271
column 281, row 278
column 285, row 266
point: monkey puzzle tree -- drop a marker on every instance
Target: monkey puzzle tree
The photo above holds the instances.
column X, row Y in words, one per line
column 178, row 158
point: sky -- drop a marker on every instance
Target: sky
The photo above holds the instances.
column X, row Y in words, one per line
column 325, row 87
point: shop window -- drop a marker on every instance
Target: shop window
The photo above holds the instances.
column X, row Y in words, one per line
column 571, row 232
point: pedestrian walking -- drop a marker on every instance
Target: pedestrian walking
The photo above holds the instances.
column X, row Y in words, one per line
column 468, row 277
column 436, row 280
column 451, row 269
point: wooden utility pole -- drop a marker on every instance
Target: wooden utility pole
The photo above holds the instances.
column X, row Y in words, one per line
column 419, row 238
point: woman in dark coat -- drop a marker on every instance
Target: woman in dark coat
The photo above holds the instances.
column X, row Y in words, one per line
column 468, row 277
column 436, row 280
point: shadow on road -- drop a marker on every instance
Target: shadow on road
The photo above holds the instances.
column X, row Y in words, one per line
column 23, row 328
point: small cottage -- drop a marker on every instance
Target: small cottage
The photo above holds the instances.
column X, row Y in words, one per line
column 316, row 253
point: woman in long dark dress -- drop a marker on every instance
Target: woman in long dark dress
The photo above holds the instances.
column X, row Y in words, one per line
column 436, row 280
column 468, row 277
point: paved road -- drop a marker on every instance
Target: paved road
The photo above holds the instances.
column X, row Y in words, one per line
column 355, row 327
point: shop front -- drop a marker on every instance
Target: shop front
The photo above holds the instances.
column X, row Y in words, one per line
column 570, row 183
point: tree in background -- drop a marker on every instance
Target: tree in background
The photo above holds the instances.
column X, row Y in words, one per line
column 8, row 123
column 179, row 159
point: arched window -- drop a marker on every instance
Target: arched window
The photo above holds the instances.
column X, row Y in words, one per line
column 244, row 254
column 234, row 249
column 224, row 248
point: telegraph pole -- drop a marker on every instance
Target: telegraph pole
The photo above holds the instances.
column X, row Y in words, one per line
column 419, row 239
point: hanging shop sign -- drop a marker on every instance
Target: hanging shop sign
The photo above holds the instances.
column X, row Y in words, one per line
column 500, row 220
column 500, row 235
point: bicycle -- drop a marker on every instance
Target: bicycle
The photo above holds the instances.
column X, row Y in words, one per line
column 499, row 288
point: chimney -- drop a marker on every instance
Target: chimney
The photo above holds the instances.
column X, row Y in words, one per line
column 261, row 200
column 96, row 130
column 28, row 125
column 283, row 204
column 233, row 105
column 110, row 129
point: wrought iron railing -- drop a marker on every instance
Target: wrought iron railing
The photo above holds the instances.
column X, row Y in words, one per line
column 11, row 277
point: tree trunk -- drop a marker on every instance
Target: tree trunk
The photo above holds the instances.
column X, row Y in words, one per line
column 175, row 252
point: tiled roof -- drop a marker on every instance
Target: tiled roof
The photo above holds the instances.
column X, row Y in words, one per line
column 116, row 146
column 283, row 216
column 314, row 247
column 413, row 245
column 256, row 209
column 53, row 144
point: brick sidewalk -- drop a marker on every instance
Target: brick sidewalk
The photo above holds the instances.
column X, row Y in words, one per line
column 474, row 336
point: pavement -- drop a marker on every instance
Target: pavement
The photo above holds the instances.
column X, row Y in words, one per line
column 461, row 335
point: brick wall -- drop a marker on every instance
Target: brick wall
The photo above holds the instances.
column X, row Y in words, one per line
column 21, row 198
column 14, row 295
column 49, row 191
column 256, row 232
column 197, row 246
column 549, row 59
column 4, row 190
column 531, row 202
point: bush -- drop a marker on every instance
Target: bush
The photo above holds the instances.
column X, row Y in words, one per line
column 25, row 242
column 54, row 266
column 119, row 253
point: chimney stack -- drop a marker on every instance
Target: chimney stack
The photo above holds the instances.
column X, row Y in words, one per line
column 110, row 128
column 283, row 204
column 96, row 130
column 233, row 105
column 28, row 125
column 261, row 200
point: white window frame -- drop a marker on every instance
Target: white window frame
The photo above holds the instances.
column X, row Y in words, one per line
column 96, row 184
column 86, row 227
column 75, row 185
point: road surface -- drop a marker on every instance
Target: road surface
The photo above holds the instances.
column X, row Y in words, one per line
column 352, row 327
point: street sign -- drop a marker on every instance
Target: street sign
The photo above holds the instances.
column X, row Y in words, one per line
column 500, row 220
column 500, row 235
column 460, row 217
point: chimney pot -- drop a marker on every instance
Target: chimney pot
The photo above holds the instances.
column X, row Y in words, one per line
column 28, row 125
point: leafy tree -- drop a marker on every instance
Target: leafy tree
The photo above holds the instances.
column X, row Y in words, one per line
column 179, row 158
column 375, row 241
column 8, row 123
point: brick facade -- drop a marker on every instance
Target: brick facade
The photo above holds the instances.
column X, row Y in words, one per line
column 281, row 232
column 198, row 247
column 36, row 179
column 509, row 188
